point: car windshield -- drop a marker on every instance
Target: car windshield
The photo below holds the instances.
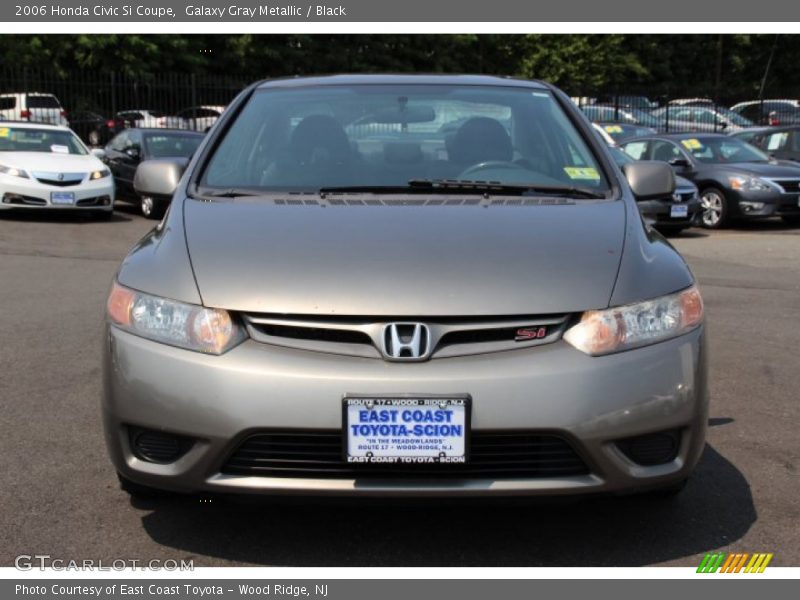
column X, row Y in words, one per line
column 162, row 145
column 718, row 150
column 385, row 136
column 735, row 117
column 620, row 157
column 23, row 139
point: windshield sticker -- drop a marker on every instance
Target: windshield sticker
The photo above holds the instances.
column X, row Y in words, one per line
column 692, row 144
column 4, row 131
column 613, row 129
column 582, row 173
column 59, row 149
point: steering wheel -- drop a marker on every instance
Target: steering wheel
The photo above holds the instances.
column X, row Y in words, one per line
column 491, row 164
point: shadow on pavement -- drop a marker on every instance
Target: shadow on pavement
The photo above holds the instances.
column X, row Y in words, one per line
column 66, row 216
column 715, row 509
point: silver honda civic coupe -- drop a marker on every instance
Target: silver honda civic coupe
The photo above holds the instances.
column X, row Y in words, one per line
column 404, row 286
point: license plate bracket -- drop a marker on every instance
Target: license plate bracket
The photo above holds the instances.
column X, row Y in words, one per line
column 62, row 198
column 678, row 211
column 405, row 430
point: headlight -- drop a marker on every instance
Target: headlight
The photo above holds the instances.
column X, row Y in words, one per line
column 625, row 327
column 99, row 174
column 749, row 184
column 189, row 326
column 13, row 172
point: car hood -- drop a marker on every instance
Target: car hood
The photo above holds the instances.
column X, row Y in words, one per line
column 682, row 183
column 51, row 161
column 770, row 169
column 420, row 260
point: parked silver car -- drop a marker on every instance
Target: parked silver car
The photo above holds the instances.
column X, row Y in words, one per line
column 404, row 310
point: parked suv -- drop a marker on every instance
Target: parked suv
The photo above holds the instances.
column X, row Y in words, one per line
column 36, row 107
column 404, row 309
column 200, row 118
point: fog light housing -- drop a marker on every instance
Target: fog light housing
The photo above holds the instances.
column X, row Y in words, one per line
column 158, row 446
column 750, row 206
column 653, row 448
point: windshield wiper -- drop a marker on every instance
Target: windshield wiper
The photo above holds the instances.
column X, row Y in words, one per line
column 489, row 187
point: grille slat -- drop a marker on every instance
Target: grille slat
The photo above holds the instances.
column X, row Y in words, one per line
column 318, row 454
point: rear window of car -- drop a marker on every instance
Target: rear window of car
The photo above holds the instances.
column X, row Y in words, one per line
column 171, row 145
column 19, row 139
column 42, row 102
column 305, row 139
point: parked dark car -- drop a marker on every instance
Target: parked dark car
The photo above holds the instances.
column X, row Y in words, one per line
column 641, row 102
column 782, row 143
column 673, row 213
column 94, row 129
column 770, row 112
column 621, row 132
column 602, row 113
column 736, row 180
column 131, row 147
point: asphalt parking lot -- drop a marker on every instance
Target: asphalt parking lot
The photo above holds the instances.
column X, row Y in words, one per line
column 60, row 497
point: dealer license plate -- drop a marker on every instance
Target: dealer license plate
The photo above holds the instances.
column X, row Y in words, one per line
column 679, row 211
column 406, row 430
column 62, row 198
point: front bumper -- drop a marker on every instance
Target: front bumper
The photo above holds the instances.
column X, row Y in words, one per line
column 765, row 204
column 218, row 400
column 660, row 212
column 18, row 192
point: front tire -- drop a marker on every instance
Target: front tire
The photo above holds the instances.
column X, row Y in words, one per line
column 715, row 208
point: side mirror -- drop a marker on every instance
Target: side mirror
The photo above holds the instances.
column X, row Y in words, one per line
column 679, row 162
column 650, row 179
column 98, row 153
column 159, row 177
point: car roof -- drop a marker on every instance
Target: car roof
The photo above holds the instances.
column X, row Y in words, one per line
column 772, row 100
column 163, row 130
column 35, row 125
column 27, row 94
column 377, row 79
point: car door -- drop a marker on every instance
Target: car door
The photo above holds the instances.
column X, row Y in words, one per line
column 114, row 151
column 670, row 152
column 131, row 157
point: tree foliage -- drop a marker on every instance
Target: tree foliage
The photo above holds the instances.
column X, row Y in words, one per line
column 722, row 64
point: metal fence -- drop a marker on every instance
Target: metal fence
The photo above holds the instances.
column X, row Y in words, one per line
column 683, row 113
column 90, row 101
column 97, row 105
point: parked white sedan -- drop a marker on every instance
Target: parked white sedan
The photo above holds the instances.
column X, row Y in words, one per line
column 48, row 167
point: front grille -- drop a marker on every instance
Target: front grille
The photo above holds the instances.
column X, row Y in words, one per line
column 317, row 454
column 789, row 186
column 58, row 182
column 687, row 196
column 366, row 336
column 342, row 336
